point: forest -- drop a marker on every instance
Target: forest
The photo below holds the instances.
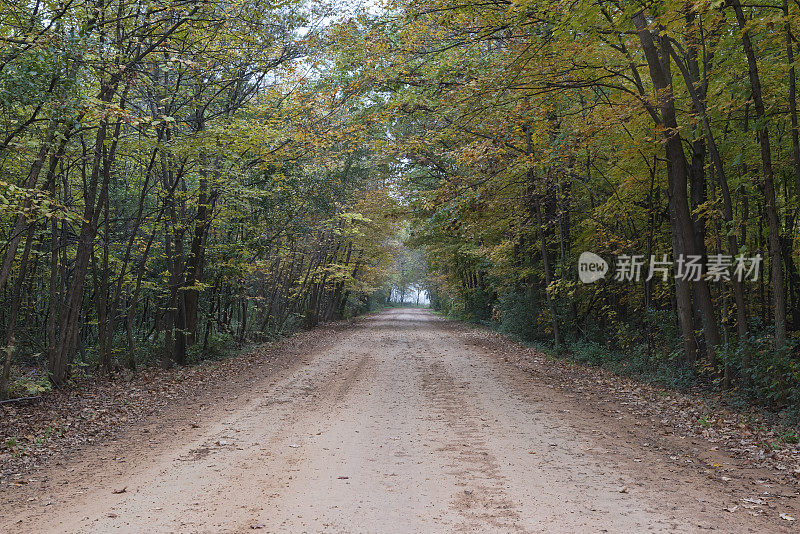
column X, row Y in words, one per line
column 178, row 177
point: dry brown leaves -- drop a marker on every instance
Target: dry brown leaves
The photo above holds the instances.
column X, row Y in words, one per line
column 749, row 436
column 66, row 421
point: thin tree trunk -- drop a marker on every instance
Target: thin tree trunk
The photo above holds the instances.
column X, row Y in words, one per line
column 548, row 275
column 778, row 284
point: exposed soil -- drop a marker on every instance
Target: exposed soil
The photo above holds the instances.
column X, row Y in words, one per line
column 405, row 422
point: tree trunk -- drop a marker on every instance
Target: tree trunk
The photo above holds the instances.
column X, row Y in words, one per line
column 548, row 274
column 682, row 227
column 61, row 356
column 778, row 285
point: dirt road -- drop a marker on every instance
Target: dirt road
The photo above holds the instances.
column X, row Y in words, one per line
column 400, row 425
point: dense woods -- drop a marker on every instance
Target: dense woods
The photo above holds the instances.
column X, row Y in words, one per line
column 531, row 132
column 220, row 221
column 174, row 177
column 178, row 176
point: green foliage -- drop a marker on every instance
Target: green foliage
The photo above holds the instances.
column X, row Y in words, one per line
column 28, row 384
column 218, row 347
column 591, row 352
column 518, row 314
column 774, row 376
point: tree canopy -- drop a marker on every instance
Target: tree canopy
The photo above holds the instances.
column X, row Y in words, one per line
column 179, row 175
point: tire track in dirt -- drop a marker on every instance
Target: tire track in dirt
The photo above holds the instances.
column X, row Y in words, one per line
column 483, row 501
